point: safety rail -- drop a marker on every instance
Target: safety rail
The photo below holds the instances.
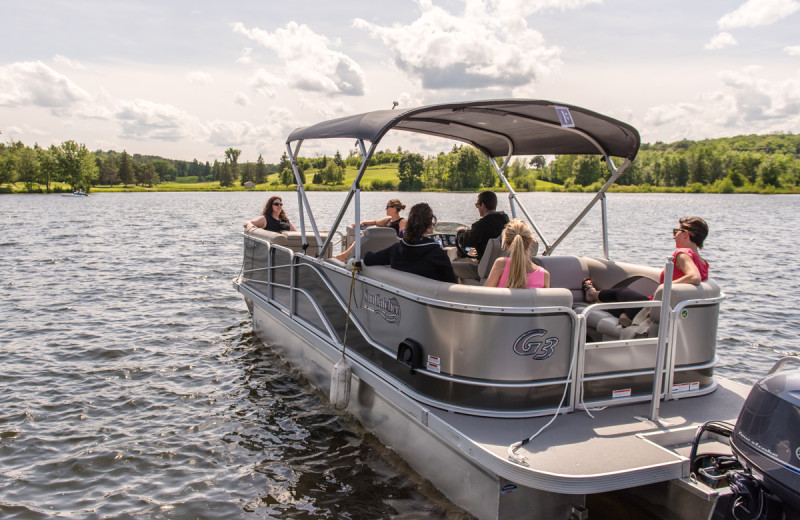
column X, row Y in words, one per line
column 576, row 377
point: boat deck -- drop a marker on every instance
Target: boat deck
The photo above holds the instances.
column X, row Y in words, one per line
column 613, row 450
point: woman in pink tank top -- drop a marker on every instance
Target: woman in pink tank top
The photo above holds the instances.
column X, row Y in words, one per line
column 517, row 271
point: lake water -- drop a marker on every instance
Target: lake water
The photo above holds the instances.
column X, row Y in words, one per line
column 131, row 385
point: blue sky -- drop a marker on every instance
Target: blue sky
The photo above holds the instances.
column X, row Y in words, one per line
column 188, row 79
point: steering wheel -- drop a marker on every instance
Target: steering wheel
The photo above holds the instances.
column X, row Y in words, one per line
column 462, row 249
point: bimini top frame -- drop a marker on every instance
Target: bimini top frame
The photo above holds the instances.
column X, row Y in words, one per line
column 498, row 128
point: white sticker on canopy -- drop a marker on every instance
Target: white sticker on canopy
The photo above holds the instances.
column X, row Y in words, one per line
column 565, row 117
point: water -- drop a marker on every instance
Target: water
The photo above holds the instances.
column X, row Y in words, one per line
column 131, row 385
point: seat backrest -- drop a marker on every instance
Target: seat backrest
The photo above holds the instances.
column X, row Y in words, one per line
column 375, row 238
column 494, row 250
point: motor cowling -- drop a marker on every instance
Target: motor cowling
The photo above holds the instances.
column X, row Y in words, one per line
column 766, row 438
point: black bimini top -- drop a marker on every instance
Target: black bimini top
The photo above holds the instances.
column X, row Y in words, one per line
column 496, row 127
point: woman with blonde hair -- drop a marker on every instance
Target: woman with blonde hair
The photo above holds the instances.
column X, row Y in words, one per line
column 517, row 271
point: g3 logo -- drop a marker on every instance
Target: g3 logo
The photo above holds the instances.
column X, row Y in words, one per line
column 534, row 343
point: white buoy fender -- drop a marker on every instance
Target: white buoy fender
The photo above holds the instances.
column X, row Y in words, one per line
column 340, row 384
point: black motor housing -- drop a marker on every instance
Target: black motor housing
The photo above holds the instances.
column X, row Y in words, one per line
column 766, row 438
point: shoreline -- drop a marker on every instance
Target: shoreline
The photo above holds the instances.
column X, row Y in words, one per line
column 204, row 187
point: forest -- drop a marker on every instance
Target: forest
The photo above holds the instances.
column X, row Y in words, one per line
column 742, row 164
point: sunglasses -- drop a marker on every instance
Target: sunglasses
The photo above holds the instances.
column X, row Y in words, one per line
column 678, row 230
column 277, row 203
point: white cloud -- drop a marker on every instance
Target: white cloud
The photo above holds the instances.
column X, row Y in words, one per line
column 793, row 50
column 754, row 13
column 309, row 61
column 489, row 45
column 199, row 77
column 720, row 41
column 142, row 119
column 63, row 60
column 265, row 83
column 247, row 56
column 747, row 103
column 35, row 84
column 241, row 98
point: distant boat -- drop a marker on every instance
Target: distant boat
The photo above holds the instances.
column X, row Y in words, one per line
column 76, row 193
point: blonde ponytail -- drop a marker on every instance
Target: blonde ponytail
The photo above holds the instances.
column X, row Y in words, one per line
column 517, row 237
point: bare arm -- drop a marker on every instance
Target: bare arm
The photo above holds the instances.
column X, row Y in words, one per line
column 546, row 278
column 690, row 272
column 258, row 222
column 496, row 272
column 291, row 227
column 377, row 222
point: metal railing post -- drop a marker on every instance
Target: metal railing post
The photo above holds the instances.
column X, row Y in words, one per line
column 664, row 330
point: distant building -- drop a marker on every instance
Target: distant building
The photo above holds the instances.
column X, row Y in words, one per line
column 249, row 185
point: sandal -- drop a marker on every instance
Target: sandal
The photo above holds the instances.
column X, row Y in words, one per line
column 624, row 321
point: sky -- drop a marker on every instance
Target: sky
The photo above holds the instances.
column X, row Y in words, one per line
column 189, row 79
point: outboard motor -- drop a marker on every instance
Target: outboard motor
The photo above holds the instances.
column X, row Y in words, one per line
column 766, row 442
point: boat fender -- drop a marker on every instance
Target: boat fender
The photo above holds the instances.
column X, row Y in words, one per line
column 409, row 353
column 340, row 384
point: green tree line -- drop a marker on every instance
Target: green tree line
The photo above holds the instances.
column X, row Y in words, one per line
column 753, row 163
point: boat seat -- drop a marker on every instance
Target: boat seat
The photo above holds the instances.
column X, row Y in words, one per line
column 374, row 238
column 292, row 240
column 468, row 294
column 471, row 272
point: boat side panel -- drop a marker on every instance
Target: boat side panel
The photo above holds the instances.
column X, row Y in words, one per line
column 484, row 494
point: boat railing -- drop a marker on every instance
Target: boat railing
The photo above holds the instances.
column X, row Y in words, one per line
column 276, row 277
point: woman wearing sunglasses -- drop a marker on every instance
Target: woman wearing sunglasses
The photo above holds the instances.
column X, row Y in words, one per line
column 689, row 267
column 272, row 218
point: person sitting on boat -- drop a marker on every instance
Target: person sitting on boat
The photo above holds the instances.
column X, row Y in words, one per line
column 689, row 267
column 415, row 253
column 392, row 220
column 489, row 226
column 517, row 271
column 272, row 218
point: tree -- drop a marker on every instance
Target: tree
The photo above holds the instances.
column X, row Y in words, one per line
column 338, row 159
column 588, row 170
column 261, row 171
column 126, row 169
column 409, row 171
column 225, row 175
column 27, row 168
column 248, row 173
column 109, row 171
column 47, row 166
column 286, row 177
column 76, row 165
column 284, row 163
column 465, row 173
column 537, row 162
column 333, row 173
column 7, row 172
column 166, row 171
column 232, row 158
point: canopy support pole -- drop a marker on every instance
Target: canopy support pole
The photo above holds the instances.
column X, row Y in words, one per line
column 302, row 199
column 615, row 173
column 512, row 195
column 355, row 191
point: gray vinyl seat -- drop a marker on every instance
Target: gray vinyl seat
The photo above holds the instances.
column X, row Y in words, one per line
column 375, row 238
column 471, row 272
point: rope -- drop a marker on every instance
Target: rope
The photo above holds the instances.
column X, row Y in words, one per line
column 356, row 268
